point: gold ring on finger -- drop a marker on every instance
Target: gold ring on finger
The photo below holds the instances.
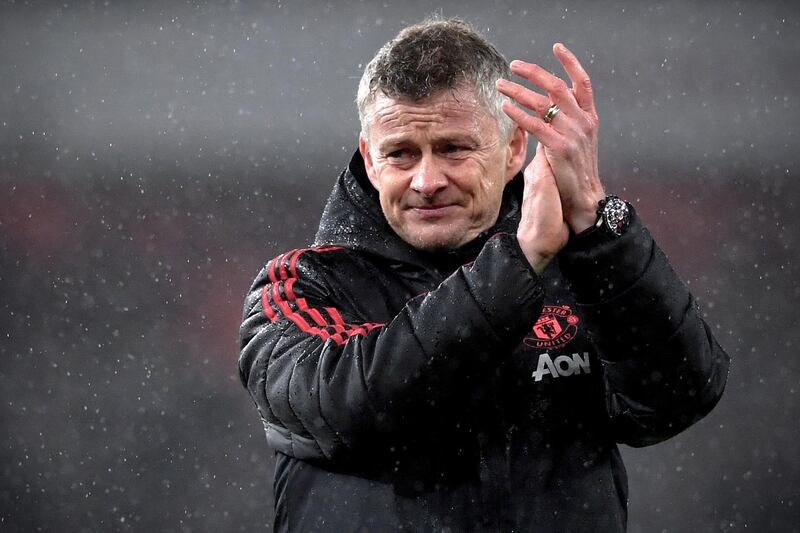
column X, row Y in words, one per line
column 552, row 111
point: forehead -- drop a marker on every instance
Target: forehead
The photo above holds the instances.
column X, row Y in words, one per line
column 449, row 111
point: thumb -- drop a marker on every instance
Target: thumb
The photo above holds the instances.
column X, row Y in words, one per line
column 541, row 165
column 540, row 197
column 541, row 174
column 542, row 231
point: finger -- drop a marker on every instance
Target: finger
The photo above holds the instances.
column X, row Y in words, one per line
column 551, row 194
column 532, row 100
column 555, row 87
column 537, row 171
column 581, row 83
column 542, row 162
column 533, row 125
column 540, row 149
column 543, row 168
column 542, row 177
column 541, row 190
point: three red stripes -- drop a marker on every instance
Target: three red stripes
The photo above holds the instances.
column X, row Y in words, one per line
column 279, row 298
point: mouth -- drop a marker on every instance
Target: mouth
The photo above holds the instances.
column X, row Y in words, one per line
column 434, row 210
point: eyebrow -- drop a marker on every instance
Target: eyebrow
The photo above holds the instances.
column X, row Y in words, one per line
column 445, row 138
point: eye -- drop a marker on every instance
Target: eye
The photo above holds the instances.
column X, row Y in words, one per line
column 401, row 156
column 455, row 149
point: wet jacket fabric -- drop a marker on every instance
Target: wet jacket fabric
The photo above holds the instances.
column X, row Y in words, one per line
column 460, row 391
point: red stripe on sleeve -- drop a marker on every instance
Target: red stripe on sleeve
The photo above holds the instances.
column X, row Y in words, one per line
column 337, row 318
column 267, row 306
column 287, row 311
column 279, row 299
column 302, row 304
column 282, row 266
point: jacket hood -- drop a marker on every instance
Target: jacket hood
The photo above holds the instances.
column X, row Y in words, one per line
column 353, row 218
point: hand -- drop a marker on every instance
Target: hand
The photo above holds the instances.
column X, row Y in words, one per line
column 570, row 139
column 542, row 231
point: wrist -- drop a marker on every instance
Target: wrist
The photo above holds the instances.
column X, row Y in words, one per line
column 580, row 222
column 537, row 258
column 581, row 213
column 538, row 261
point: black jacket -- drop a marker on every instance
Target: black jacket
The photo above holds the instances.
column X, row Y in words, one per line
column 404, row 390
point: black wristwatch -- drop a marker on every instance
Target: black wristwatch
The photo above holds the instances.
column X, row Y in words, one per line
column 613, row 215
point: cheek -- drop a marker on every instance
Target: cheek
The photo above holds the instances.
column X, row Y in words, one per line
column 488, row 180
column 391, row 196
column 387, row 185
column 488, row 191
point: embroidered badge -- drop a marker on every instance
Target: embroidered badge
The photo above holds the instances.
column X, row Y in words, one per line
column 556, row 326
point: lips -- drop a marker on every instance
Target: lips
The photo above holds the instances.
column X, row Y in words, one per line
column 434, row 211
column 432, row 207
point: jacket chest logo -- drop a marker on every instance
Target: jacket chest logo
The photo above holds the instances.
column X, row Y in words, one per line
column 556, row 326
column 563, row 365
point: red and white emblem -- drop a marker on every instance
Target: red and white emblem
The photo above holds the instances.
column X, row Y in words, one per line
column 556, row 326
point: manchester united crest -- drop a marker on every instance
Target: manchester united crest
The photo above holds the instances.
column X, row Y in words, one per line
column 556, row 326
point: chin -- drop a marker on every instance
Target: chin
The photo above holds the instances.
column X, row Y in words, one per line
column 435, row 243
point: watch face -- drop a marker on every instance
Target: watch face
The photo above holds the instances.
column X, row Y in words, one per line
column 616, row 215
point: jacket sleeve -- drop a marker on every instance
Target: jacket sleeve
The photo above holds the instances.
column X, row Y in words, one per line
column 325, row 381
column 663, row 369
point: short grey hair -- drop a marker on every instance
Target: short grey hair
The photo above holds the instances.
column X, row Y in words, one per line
column 432, row 56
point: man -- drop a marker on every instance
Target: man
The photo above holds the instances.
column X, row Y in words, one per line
column 466, row 343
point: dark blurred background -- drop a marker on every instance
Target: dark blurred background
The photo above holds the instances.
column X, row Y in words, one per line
column 154, row 155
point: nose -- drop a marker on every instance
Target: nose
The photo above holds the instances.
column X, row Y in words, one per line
column 428, row 178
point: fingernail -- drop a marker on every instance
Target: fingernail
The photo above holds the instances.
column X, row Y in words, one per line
column 516, row 63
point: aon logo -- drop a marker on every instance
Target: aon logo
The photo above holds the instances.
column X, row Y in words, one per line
column 563, row 365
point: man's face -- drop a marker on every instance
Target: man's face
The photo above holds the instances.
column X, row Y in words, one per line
column 439, row 165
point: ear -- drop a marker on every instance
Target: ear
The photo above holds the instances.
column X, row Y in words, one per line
column 517, row 150
column 363, row 147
